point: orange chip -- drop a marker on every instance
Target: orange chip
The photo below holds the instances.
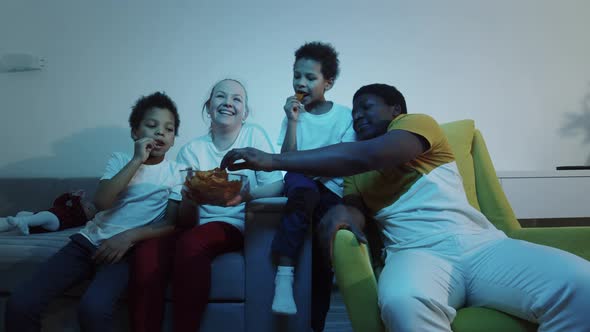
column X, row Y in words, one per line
column 299, row 96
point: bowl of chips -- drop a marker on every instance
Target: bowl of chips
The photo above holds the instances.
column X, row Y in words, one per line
column 215, row 187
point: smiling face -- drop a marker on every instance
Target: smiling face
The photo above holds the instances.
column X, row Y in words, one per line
column 157, row 123
column 309, row 81
column 372, row 116
column 227, row 105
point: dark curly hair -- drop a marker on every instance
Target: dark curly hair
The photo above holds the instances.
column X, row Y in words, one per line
column 145, row 103
column 388, row 93
column 325, row 54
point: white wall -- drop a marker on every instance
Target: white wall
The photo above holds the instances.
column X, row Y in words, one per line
column 519, row 68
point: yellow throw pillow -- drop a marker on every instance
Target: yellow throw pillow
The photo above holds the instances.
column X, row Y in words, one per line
column 460, row 136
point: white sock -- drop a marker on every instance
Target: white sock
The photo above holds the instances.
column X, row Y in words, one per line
column 283, row 302
column 44, row 219
column 5, row 226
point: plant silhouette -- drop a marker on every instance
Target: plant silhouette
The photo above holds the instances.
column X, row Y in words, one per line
column 578, row 124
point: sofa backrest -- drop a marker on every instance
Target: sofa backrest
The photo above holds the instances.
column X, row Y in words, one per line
column 480, row 181
column 460, row 136
column 37, row 194
column 490, row 195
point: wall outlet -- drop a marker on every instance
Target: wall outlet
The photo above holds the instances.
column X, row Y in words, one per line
column 16, row 62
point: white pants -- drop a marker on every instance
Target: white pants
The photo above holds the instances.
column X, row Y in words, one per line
column 420, row 288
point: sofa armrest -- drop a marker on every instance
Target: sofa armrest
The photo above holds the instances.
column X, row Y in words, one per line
column 263, row 217
column 571, row 239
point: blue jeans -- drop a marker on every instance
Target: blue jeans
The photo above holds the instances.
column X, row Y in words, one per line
column 69, row 266
column 307, row 202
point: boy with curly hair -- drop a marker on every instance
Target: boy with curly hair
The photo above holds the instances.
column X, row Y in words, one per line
column 310, row 122
column 138, row 198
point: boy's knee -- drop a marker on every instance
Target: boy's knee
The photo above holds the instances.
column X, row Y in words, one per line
column 294, row 182
column 303, row 199
column 297, row 179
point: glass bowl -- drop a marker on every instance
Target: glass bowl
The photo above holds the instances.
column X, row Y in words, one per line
column 218, row 188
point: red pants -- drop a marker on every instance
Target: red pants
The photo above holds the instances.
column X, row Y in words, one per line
column 185, row 258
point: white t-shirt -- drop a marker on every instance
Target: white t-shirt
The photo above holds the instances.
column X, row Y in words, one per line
column 201, row 154
column 143, row 201
column 316, row 131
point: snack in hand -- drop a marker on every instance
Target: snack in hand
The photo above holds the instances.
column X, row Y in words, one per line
column 213, row 187
column 299, row 96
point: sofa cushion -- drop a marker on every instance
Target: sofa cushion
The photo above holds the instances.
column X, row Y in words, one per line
column 21, row 255
column 19, row 259
column 460, row 135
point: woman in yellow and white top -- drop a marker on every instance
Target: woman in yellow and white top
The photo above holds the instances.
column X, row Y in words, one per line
column 441, row 253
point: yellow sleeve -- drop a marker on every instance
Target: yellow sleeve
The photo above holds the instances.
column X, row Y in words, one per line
column 349, row 186
column 419, row 124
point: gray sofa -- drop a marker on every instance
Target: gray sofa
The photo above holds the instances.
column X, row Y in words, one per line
column 242, row 283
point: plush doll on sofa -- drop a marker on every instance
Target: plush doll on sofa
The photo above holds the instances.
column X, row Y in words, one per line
column 69, row 210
